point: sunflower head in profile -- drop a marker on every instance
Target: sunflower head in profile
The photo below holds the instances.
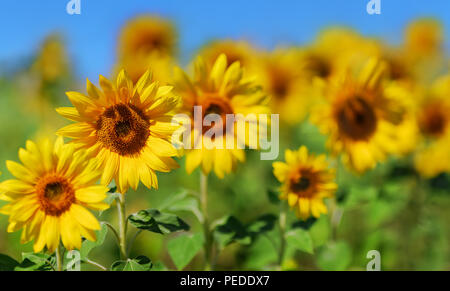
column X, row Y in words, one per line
column 222, row 90
column 126, row 127
column 306, row 181
column 49, row 197
column 363, row 117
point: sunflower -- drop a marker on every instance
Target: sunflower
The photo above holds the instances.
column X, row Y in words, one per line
column 126, row 127
column 51, row 63
column 48, row 199
column 424, row 38
column 433, row 120
column 364, row 118
column 147, row 34
column 220, row 89
column 235, row 51
column 307, row 180
column 282, row 74
column 147, row 42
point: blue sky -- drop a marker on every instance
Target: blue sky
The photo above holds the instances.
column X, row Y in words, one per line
column 91, row 36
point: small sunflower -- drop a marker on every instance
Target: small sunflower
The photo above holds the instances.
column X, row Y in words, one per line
column 48, row 199
column 307, row 180
column 147, row 42
column 363, row 117
column 220, row 89
column 52, row 62
column 126, row 127
column 424, row 38
column 282, row 74
column 147, row 34
column 433, row 120
column 235, row 51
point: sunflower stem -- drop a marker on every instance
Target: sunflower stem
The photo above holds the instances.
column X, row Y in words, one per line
column 208, row 235
column 282, row 225
column 122, row 226
column 59, row 259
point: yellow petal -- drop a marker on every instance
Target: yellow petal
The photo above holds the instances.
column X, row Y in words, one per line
column 84, row 217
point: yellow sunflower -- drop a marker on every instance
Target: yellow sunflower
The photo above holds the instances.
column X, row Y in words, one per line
column 433, row 120
column 126, row 127
column 306, row 181
column 235, row 51
column 220, row 89
column 147, row 34
column 282, row 74
column 365, row 118
column 52, row 61
column 424, row 38
column 48, row 199
column 147, row 42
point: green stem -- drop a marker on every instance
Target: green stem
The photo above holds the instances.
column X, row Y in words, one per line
column 122, row 226
column 59, row 259
column 208, row 235
column 282, row 225
column 133, row 239
column 96, row 265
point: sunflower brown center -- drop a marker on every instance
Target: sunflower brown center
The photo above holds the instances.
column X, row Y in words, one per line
column 356, row 119
column 319, row 66
column 433, row 121
column 303, row 182
column 149, row 43
column 55, row 194
column 124, row 129
column 219, row 106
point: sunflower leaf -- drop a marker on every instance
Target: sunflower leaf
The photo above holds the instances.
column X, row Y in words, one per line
column 155, row 221
column 183, row 201
column 300, row 239
column 183, row 248
column 36, row 262
column 7, row 263
column 140, row 263
column 88, row 246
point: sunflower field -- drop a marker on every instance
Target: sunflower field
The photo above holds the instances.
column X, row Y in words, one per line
column 96, row 174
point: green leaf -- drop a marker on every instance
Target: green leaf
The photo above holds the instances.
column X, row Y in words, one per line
column 262, row 224
column 320, row 231
column 7, row 263
column 183, row 201
column 300, row 240
column 36, row 262
column 229, row 230
column 140, row 263
column 155, row 221
column 112, row 190
column 336, row 256
column 159, row 266
column 273, row 197
column 183, row 249
column 88, row 246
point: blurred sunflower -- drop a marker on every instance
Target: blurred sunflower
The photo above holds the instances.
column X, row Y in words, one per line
column 235, row 51
column 48, row 199
column 365, row 118
column 433, row 121
column 424, row 38
column 51, row 63
column 283, row 76
column 126, row 127
column 220, row 89
column 147, row 42
column 307, row 180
